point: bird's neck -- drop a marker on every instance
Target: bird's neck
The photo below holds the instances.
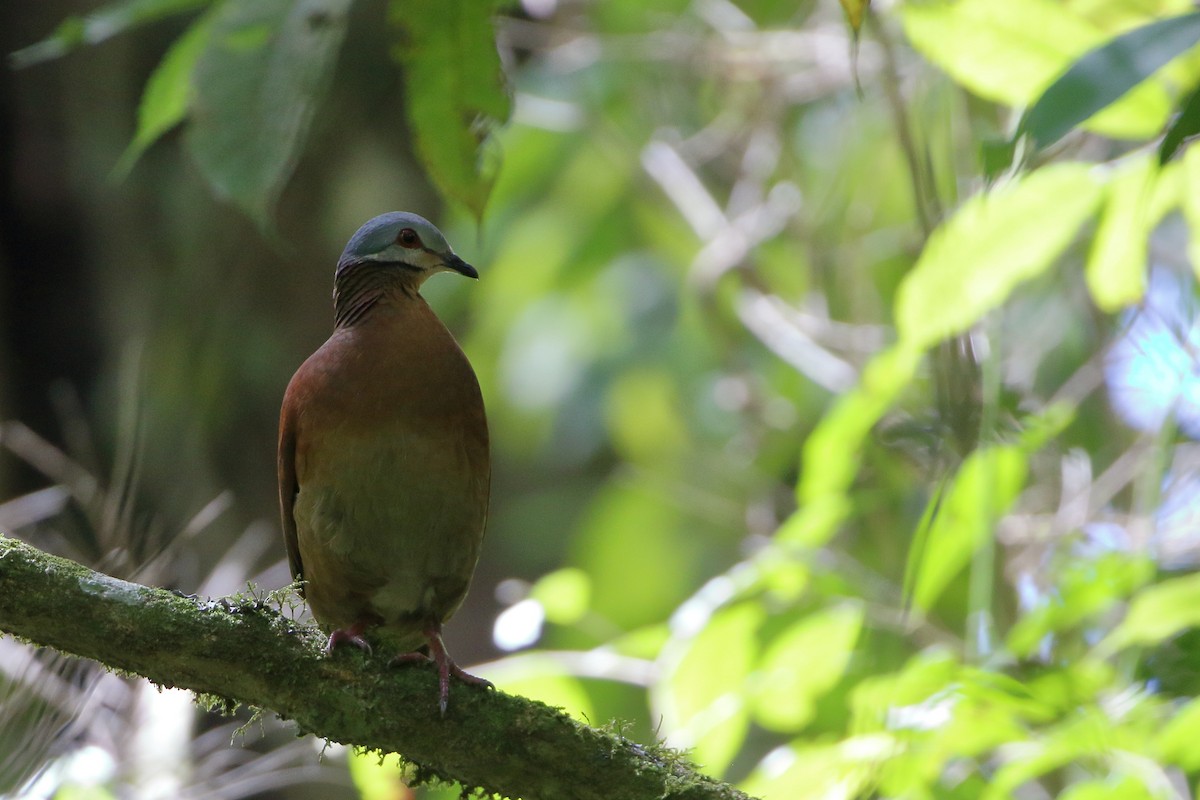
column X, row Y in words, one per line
column 358, row 289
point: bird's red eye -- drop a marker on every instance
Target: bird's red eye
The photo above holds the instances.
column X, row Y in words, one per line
column 408, row 238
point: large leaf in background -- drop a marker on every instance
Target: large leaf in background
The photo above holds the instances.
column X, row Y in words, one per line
column 1103, row 75
column 257, row 86
column 165, row 99
column 455, row 91
column 75, row 32
column 702, row 694
column 1011, row 51
column 994, row 242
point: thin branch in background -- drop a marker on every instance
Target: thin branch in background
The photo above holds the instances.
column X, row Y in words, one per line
column 925, row 200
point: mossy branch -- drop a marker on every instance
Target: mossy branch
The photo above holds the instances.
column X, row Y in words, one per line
column 246, row 652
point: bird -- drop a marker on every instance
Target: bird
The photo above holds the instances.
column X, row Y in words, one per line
column 383, row 463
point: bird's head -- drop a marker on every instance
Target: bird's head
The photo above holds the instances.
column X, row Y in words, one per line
column 407, row 242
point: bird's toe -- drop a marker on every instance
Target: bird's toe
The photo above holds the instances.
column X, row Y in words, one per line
column 352, row 635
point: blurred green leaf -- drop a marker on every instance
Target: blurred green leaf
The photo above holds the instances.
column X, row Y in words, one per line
column 830, row 458
column 1038, row 430
column 75, row 791
column 165, row 99
column 994, row 242
column 808, row 771
column 986, row 485
column 924, row 675
column 1084, row 589
column 803, row 663
column 1063, row 745
column 376, row 776
column 1135, row 200
column 1105, row 74
column 645, row 415
column 564, row 595
column 1062, row 692
column 257, row 87
column 1185, row 125
column 1191, row 205
column 702, row 695
column 113, row 19
column 627, row 535
column 1157, row 613
column 455, row 91
column 1176, row 742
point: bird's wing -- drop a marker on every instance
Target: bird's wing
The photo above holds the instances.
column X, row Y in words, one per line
column 288, row 488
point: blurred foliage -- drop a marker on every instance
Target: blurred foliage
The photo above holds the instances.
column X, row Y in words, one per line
column 840, row 361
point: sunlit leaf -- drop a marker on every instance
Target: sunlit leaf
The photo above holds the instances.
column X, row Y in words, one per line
column 376, row 777
column 804, row 770
column 564, row 595
column 102, row 24
column 1115, row 787
column 630, row 586
column 1002, row 51
column 257, row 86
column 702, row 696
column 1157, row 613
column 1078, row 684
column 923, row 676
column 455, row 91
column 1176, row 742
column 803, row 663
column 1191, row 206
column 986, row 485
column 644, row 415
column 1116, row 267
column 1086, row 588
column 995, row 241
column 164, row 101
column 1065, row 744
column 1011, row 51
column 1040, row 428
column 1106, row 73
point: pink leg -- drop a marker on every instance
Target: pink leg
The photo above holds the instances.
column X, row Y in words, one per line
column 352, row 635
column 445, row 665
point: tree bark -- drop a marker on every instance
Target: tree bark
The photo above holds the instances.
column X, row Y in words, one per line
column 244, row 651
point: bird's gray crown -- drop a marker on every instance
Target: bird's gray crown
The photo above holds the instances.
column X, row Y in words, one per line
column 377, row 234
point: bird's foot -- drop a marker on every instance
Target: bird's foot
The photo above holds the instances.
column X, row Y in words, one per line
column 445, row 666
column 352, row 635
